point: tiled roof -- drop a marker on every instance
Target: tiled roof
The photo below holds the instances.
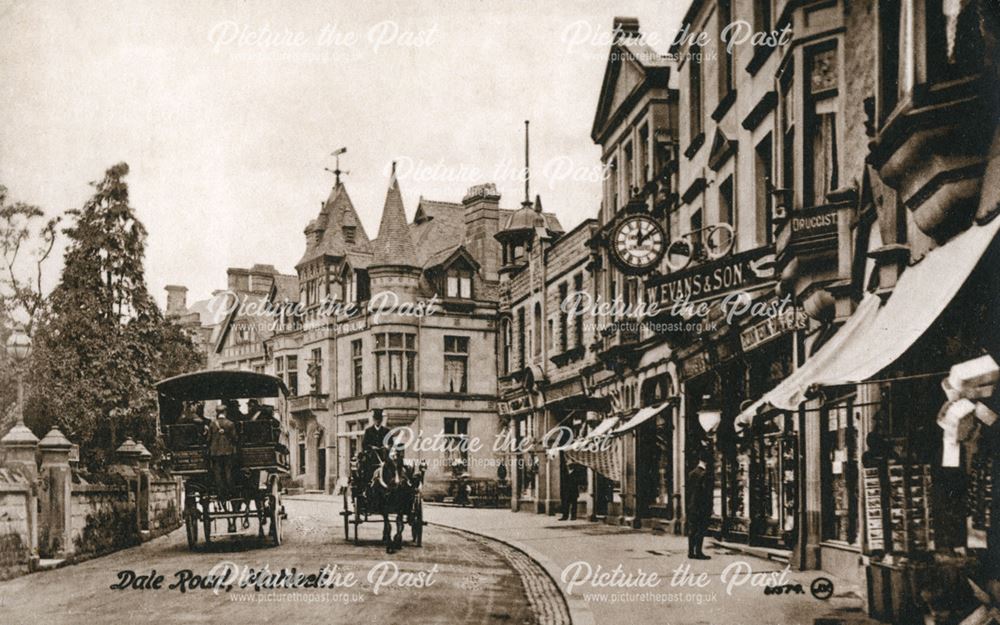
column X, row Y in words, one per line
column 437, row 226
column 337, row 213
column 286, row 288
column 394, row 246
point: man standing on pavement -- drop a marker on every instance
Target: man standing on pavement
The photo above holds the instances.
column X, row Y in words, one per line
column 699, row 508
column 222, row 446
column 570, row 492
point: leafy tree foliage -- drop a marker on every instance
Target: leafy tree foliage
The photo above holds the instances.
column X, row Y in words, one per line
column 26, row 243
column 101, row 342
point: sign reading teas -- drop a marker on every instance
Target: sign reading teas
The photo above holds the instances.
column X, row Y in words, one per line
column 713, row 280
column 771, row 328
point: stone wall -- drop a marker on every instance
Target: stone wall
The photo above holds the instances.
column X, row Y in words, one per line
column 90, row 501
column 15, row 528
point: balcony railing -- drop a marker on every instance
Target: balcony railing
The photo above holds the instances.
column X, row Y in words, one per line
column 312, row 402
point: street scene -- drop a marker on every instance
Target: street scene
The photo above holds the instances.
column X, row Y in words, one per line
column 443, row 312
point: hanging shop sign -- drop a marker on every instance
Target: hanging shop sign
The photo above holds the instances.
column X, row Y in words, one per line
column 696, row 365
column 771, row 328
column 712, row 280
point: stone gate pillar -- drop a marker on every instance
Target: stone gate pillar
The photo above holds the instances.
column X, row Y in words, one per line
column 56, row 496
column 20, row 446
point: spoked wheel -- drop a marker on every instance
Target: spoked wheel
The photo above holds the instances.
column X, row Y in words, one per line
column 417, row 521
column 274, row 503
column 191, row 523
column 206, row 518
column 346, row 513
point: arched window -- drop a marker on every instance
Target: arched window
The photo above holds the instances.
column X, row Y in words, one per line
column 537, row 329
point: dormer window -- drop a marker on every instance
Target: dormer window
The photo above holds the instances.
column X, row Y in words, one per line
column 458, row 283
column 350, row 234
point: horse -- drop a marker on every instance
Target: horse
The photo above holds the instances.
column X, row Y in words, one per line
column 392, row 490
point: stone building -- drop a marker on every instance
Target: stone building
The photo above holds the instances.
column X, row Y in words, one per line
column 238, row 340
column 405, row 322
column 635, row 124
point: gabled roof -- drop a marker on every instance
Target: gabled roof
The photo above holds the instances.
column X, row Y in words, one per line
column 448, row 255
column 336, row 213
column 394, row 245
column 632, row 67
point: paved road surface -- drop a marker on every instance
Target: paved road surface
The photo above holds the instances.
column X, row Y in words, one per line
column 476, row 580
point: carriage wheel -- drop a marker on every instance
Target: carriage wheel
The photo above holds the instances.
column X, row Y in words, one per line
column 346, row 513
column 191, row 523
column 274, row 499
column 417, row 521
column 206, row 517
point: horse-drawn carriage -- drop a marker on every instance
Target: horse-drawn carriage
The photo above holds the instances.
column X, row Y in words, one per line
column 382, row 483
column 261, row 456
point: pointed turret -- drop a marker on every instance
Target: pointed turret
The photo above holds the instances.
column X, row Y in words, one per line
column 337, row 230
column 394, row 245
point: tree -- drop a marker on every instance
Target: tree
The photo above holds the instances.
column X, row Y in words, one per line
column 101, row 342
column 25, row 246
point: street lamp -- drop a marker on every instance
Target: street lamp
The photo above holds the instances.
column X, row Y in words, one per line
column 19, row 348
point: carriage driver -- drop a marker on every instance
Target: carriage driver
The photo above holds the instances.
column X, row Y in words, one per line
column 376, row 435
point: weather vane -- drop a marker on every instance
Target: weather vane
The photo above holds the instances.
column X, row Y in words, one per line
column 336, row 171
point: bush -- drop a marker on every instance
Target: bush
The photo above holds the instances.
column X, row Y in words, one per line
column 112, row 527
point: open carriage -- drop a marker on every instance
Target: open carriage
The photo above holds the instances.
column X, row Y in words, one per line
column 380, row 487
column 262, row 456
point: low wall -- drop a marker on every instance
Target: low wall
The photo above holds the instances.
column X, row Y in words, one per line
column 15, row 526
column 92, row 503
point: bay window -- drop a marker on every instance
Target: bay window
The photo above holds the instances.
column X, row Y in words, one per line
column 395, row 361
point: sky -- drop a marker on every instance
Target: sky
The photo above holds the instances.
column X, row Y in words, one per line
column 227, row 112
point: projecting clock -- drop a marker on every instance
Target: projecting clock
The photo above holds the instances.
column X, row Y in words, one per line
column 638, row 243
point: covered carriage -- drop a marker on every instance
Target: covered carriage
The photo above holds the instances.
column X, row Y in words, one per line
column 262, row 456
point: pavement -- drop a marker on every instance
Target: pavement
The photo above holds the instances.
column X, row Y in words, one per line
column 612, row 574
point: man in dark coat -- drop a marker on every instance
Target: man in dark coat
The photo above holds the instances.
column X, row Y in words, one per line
column 222, row 446
column 699, row 508
column 570, row 491
column 375, row 435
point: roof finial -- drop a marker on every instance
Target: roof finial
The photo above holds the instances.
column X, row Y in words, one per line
column 336, row 171
column 394, row 169
column 527, row 168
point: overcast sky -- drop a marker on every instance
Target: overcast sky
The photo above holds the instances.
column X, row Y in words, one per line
column 227, row 112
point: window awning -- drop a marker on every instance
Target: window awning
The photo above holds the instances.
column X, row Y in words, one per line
column 641, row 417
column 601, row 429
column 878, row 333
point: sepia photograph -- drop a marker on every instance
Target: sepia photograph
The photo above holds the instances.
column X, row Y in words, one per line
column 500, row 312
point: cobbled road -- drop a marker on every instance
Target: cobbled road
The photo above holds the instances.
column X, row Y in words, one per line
column 454, row 578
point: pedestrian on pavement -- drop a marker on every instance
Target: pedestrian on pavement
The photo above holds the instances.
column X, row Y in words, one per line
column 222, row 447
column 699, row 509
column 570, row 492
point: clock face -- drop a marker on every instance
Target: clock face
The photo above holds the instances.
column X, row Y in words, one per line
column 638, row 243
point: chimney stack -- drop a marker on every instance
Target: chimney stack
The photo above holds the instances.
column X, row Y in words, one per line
column 176, row 300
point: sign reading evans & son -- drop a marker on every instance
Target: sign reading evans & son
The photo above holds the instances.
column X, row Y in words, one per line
column 713, row 280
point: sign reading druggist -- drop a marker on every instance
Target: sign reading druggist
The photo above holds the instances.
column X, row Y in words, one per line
column 713, row 280
column 807, row 224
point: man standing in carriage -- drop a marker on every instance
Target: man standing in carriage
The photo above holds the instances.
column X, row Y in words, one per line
column 375, row 445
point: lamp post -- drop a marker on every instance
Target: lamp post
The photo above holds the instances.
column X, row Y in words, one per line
column 19, row 348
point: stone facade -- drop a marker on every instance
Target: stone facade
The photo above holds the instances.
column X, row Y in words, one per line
column 363, row 336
